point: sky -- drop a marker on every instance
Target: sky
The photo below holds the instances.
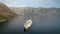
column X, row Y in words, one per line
column 32, row 3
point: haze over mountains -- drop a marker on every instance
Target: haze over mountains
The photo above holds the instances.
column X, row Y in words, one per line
column 8, row 12
column 39, row 10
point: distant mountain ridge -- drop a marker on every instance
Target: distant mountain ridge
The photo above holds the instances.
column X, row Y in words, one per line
column 39, row 10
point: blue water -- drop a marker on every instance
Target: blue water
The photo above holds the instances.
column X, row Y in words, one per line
column 41, row 25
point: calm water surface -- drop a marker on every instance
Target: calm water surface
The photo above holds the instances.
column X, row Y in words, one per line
column 41, row 24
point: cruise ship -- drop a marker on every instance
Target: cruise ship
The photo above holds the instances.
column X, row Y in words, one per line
column 27, row 24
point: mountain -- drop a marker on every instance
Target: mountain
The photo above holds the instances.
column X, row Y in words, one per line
column 5, row 13
column 37, row 11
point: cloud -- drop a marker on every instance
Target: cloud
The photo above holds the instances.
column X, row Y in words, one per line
column 43, row 3
column 43, row 0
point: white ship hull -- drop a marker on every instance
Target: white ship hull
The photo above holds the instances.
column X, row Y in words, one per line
column 28, row 24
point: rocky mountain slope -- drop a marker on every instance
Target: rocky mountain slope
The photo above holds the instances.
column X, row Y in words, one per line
column 5, row 13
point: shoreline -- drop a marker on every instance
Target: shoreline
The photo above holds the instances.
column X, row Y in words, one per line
column 3, row 20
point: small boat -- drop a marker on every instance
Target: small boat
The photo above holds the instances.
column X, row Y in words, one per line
column 27, row 24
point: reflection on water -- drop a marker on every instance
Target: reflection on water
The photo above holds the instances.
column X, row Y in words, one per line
column 27, row 30
column 41, row 24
